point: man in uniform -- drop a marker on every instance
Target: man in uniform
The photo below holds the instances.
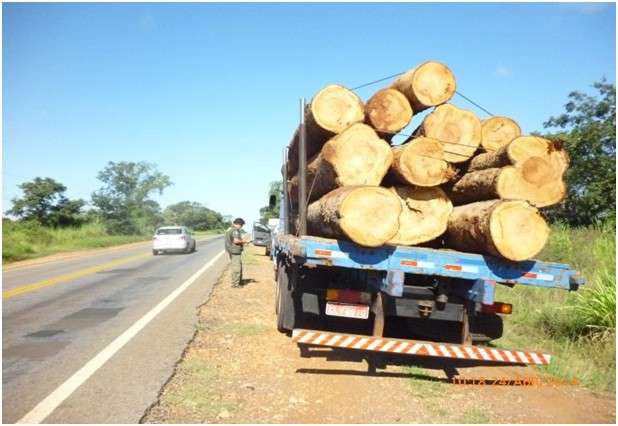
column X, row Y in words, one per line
column 234, row 245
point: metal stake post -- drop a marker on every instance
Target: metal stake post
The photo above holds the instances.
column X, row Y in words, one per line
column 302, row 173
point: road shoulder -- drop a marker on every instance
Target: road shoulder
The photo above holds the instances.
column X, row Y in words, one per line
column 239, row 369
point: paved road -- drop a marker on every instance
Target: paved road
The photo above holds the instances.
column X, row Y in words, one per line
column 58, row 316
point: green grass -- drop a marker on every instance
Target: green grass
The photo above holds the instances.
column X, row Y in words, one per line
column 577, row 328
column 28, row 240
column 475, row 416
column 195, row 392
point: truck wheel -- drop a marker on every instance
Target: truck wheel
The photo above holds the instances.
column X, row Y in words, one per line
column 486, row 327
column 285, row 303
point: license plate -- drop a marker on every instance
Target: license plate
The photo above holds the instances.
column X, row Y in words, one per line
column 347, row 310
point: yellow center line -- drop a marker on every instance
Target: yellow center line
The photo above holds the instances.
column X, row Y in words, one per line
column 28, row 288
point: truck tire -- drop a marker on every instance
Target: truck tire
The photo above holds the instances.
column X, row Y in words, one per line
column 285, row 303
column 486, row 327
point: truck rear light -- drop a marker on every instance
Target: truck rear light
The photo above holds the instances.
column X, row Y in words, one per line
column 348, row 296
column 182, row 237
column 498, row 308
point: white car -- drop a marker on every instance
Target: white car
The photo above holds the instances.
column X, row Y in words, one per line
column 173, row 238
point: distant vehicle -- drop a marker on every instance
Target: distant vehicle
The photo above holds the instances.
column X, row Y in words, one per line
column 173, row 239
column 273, row 224
column 262, row 236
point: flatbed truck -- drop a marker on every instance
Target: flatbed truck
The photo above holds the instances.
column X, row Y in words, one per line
column 396, row 299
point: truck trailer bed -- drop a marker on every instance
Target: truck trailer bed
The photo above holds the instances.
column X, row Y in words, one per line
column 311, row 251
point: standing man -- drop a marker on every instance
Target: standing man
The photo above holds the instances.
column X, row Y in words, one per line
column 234, row 245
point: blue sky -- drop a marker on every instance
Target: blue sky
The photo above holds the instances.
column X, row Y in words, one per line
column 210, row 92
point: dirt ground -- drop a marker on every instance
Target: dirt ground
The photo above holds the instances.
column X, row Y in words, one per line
column 239, row 369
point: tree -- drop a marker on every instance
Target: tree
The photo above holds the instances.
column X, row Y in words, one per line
column 194, row 215
column 588, row 128
column 124, row 200
column 275, row 188
column 44, row 202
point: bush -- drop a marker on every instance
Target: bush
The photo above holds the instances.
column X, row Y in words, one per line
column 578, row 328
column 23, row 240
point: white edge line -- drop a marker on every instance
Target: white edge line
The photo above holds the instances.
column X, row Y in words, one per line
column 62, row 392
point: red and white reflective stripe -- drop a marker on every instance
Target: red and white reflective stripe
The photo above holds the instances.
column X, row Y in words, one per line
column 462, row 268
column 328, row 253
column 537, row 276
column 417, row 263
column 410, row 347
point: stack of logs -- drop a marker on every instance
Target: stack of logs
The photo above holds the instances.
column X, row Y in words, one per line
column 472, row 185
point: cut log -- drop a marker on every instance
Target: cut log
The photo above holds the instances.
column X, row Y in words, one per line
column 355, row 157
column 535, row 181
column 330, row 112
column 424, row 214
column 497, row 132
column 458, row 130
column 519, row 150
column 367, row 215
column 419, row 162
column 427, row 85
column 388, row 111
column 511, row 229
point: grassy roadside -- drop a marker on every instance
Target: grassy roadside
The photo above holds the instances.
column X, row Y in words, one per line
column 22, row 241
column 27, row 241
column 577, row 328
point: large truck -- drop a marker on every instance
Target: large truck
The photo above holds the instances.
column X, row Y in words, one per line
column 400, row 300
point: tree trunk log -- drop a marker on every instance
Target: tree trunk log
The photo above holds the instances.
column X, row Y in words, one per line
column 388, row 111
column 367, row 215
column 458, row 130
column 424, row 214
column 497, row 132
column 519, row 150
column 535, row 181
column 355, row 157
column 419, row 162
column 427, row 85
column 511, row 229
column 331, row 111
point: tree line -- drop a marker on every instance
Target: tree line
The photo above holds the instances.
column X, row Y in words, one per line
column 123, row 203
column 588, row 130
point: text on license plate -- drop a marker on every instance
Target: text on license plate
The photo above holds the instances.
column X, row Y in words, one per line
column 347, row 310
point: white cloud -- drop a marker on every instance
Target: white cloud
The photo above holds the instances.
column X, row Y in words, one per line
column 584, row 8
column 502, row 71
column 591, row 8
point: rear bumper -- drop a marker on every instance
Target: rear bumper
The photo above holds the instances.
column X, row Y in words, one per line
column 417, row 348
column 261, row 243
column 170, row 247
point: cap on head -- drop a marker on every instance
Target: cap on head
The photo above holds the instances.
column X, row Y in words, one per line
column 239, row 221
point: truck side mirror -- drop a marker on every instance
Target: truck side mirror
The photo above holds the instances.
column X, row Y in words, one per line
column 272, row 201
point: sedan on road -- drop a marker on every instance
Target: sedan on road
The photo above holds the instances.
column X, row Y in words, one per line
column 173, row 238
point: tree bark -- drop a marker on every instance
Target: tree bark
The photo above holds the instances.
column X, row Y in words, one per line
column 497, row 132
column 535, row 181
column 419, row 162
column 511, row 229
column 424, row 214
column 519, row 150
column 367, row 215
column 330, row 112
column 388, row 111
column 355, row 157
column 458, row 130
column 429, row 84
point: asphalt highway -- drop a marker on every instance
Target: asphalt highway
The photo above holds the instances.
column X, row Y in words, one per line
column 92, row 338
